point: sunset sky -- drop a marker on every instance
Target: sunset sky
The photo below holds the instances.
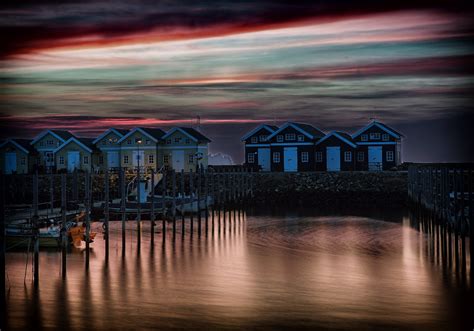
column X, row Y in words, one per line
column 90, row 65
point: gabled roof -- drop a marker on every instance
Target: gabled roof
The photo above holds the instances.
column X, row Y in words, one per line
column 85, row 143
column 306, row 129
column 390, row 131
column 61, row 135
column 154, row 134
column 339, row 135
column 190, row 132
column 22, row 144
column 269, row 128
column 118, row 132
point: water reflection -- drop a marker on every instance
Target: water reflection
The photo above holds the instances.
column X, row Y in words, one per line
column 288, row 270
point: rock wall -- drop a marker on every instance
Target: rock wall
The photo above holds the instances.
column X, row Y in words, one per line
column 316, row 188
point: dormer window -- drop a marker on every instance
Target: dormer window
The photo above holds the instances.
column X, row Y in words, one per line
column 49, row 142
column 262, row 137
column 254, row 140
column 385, row 137
column 375, row 136
column 364, row 137
column 280, row 138
column 300, row 137
column 290, row 136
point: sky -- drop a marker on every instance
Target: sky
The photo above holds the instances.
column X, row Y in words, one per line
column 86, row 66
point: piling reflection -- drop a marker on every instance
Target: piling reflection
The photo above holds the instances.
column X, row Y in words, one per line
column 288, row 270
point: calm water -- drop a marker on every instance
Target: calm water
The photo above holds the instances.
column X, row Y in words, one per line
column 272, row 271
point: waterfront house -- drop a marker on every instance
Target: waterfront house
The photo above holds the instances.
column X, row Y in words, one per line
column 140, row 147
column 335, row 152
column 77, row 153
column 46, row 142
column 378, row 147
column 17, row 156
column 257, row 148
column 109, row 147
column 292, row 147
column 185, row 149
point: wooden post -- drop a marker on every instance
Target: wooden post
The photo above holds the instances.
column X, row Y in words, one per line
column 139, row 208
column 199, row 184
column 471, row 224
column 183, row 224
column 191, row 194
column 213, row 197
column 206, row 195
column 163, row 201
column 36, row 230
column 64, row 237
column 106, row 213
column 51, row 192
column 123, row 206
column 3, row 303
column 174, row 202
column 87, row 217
column 152, row 212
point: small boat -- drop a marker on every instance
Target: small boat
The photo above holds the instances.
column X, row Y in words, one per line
column 22, row 236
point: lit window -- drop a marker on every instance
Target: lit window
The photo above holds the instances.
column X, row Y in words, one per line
column 347, row 156
column 375, row 136
column 151, row 158
column 23, row 160
column 125, row 159
column 276, row 157
column 304, row 157
column 254, row 140
column 262, row 137
column 86, row 159
column 61, row 160
column 138, row 140
column 191, row 158
column 390, row 156
column 250, row 157
column 360, row 156
column 280, row 138
column 385, row 137
column 300, row 137
column 290, row 136
column 166, row 158
column 319, row 156
column 364, row 137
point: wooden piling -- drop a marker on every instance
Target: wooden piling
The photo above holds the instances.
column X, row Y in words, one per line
column 3, row 302
column 183, row 224
column 106, row 213
column 152, row 211
column 87, row 216
column 199, row 183
column 51, row 192
column 163, row 196
column 123, row 211
column 191, row 195
column 206, row 194
column 36, row 231
column 139, row 209
column 64, row 235
column 173, row 206
column 471, row 225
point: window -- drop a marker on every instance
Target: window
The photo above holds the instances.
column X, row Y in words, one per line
column 129, row 141
column 23, row 160
column 61, row 160
column 49, row 157
column 319, row 156
column 147, row 141
column 138, row 140
column 151, row 158
column 41, row 144
column 385, row 137
column 280, row 138
column 375, row 135
column 254, row 140
column 304, row 157
column 360, row 156
column 347, row 156
column 300, row 137
column 168, row 141
column 250, row 157
column 364, row 137
column 125, row 159
column 104, row 142
column 101, row 159
column 290, row 136
column 187, row 141
column 276, row 157
column 86, row 159
column 262, row 137
column 390, row 156
column 166, row 158
column 191, row 158
column 177, row 139
column 49, row 142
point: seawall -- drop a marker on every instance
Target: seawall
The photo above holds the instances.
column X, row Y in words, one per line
column 326, row 188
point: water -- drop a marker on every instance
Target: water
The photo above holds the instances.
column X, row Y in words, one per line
column 264, row 271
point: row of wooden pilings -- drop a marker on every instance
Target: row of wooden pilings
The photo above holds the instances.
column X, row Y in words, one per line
column 214, row 191
column 443, row 194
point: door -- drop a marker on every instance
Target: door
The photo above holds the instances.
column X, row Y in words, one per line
column 138, row 158
column 333, row 158
column 264, row 158
column 10, row 162
column 375, row 158
column 290, row 159
column 178, row 160
column 113, row 159
column 73, row 160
